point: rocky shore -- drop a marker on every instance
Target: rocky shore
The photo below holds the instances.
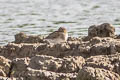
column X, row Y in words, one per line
column 92, row 57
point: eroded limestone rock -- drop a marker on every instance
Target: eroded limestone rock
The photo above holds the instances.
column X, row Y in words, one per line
column 23, row 38
column 95, row 46
column 67, row 64
column 90, row 73
column 48, row 63
column 7, row 78
column 103, row 30
column 48, row 75
column 95, row 57
column 19, row 67
column 110, row 62
column 47, row 67
column 4, row 66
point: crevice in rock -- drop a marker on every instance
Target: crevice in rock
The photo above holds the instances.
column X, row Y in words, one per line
column 10, row 70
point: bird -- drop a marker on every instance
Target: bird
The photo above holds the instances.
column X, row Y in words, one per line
column 59, row 36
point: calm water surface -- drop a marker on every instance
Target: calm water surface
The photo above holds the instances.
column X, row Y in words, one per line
column 44, row 16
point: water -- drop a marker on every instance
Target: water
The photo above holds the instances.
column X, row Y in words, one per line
column 36, row 17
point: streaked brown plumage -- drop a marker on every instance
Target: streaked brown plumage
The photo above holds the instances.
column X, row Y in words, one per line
column 58, row 36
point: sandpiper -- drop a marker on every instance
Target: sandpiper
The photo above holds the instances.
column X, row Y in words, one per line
column 58, row 36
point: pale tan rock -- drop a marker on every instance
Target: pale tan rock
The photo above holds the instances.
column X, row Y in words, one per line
column 110, row 62
column 48, row 75
column 90, row 73
column 72, row 64
column 4, row 66
column 22, row 50
column 67, row 64
column 2, row 73
column 7, row 78
column 45, row 63
column 41, row 66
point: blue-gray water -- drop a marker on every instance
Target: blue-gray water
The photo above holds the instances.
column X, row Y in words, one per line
column 44, row 16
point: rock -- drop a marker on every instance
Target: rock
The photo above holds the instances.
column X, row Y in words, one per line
column 47, row 67
column 103, row 30
column 12, row 50
column 86, row 38
column 45, row 63
column 4, row 66
column 48, row 75
column 103, row 49
column 72, row 64
column 20, row 37
column 19, row 66
column 6, row 78
column 117, row 36
column 94, row 57
column 95, row 40
column 67, row 64
column 58, row 50
column 111, row 62
column 117, row 45
column 95, row 46
column 74, row 39
column 84, row 50
column 23, row 38
column 90, row 73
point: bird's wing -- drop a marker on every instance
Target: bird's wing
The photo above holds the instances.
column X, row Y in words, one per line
column 53, row 35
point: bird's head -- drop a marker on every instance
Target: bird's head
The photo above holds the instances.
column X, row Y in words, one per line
column 62, row 29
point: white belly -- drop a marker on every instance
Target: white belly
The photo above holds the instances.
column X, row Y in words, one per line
column 66, row 36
